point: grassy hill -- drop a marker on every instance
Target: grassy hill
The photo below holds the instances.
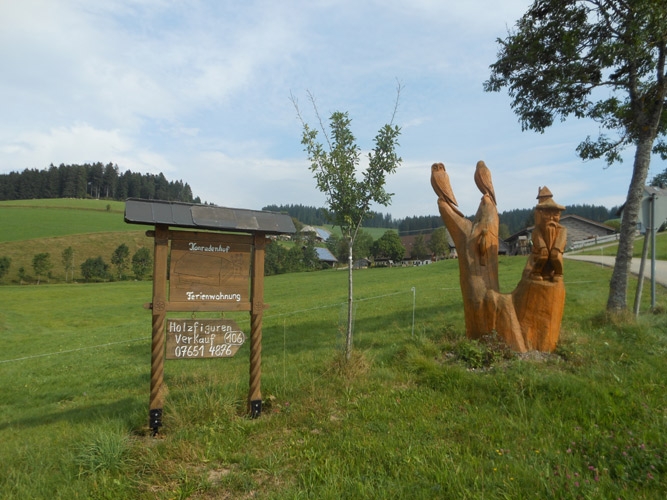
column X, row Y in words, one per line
column 91, row 227
column 419, row 413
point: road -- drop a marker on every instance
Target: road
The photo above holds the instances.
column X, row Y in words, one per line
column 660, row 265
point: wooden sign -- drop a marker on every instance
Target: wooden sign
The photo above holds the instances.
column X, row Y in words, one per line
column 208, row 268
column 203, row 338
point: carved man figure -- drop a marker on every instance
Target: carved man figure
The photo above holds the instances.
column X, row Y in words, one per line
column 548, row 239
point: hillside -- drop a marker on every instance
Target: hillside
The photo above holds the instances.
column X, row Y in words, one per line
column 91, row 227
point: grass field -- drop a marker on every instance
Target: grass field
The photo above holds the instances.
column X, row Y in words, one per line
column 419, row 413
column 91, row 227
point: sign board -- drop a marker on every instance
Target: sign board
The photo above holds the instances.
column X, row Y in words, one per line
column 207, row 268
column 208, row 271
column 203, row 338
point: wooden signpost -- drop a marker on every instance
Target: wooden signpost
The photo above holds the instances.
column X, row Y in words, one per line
column 208, row 272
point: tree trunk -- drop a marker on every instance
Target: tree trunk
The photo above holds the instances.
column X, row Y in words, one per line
column 618, row 286
column 348, row 336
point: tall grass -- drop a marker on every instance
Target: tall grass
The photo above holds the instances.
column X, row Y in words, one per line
column 419, row 412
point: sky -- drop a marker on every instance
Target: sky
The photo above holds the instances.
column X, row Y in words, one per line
column 204, row 92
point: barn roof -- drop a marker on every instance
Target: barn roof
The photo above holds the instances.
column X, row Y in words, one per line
column 325, row 255
column 192, row 215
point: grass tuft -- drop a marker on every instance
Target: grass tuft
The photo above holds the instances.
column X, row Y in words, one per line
column 108, row 451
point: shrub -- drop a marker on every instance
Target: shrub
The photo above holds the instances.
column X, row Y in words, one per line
column 94, row 268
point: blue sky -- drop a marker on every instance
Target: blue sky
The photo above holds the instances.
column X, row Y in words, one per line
column 200, row 90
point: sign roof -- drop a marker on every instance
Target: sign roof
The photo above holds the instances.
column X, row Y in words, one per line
column 191, row 215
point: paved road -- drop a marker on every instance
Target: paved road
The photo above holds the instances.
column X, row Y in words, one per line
column 660, row 265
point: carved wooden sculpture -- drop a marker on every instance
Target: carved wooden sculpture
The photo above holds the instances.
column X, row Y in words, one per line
column 528, row 318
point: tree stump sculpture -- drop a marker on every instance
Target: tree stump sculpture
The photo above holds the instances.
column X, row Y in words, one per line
column 529, row 318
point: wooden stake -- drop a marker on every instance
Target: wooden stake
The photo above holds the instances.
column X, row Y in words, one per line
column 161, row 251
column 256, row 312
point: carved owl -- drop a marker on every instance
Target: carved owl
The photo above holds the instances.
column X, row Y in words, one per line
column 483, row 180
column 441, row 185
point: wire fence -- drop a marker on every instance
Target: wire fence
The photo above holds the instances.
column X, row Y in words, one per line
column 327, row 319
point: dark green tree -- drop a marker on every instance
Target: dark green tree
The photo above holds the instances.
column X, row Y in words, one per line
column 294, row 259
column 68, row 261
column 598, row 59
column 439, row 242
column 141, row 263
column 333, row 243
column 349, row 196
column 120, row 258
column 94, row 269
column 274, row 258
column 41, row 264
column 419, row 249
column 5, row 262
column 388, row 246
column 310, row 259
column 362, row 245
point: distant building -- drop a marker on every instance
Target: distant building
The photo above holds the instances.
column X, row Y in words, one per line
column 578, row 229
column 325, row 255
column 320, row 234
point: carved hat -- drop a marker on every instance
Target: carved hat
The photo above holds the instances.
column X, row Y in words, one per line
column 546, row 200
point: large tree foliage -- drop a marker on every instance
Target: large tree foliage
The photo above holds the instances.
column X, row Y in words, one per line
column 41, row 264
column 350, row 192
column 439, row 242
column 388, row 246
column 597, row 59
column 141, row 263
column 120, row 258
column 94, row 269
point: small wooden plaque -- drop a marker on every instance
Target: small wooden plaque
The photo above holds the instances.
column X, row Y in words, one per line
column 203, row 338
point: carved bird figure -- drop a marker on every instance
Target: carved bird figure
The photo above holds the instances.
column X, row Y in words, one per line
column 442, row 187
column 483, row 180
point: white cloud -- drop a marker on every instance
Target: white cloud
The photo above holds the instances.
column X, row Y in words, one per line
column 80, row 143
column 200, row 91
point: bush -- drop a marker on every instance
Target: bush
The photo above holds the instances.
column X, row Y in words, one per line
column 5, row 262
column 141, row 263
column 94, row 268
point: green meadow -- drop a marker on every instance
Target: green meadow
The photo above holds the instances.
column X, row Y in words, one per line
column 419, row 412
column 91, row 227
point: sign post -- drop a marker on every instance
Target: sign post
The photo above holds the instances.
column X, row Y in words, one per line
column 161, row 251
column 208, row 272
column 255, row 395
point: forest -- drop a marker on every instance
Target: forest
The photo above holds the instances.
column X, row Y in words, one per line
column 94, row 180
column 97, row 180
column 513, row 220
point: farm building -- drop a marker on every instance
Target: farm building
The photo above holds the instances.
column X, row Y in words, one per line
column 325, row 255
column 320, row 234
column 578, row 229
